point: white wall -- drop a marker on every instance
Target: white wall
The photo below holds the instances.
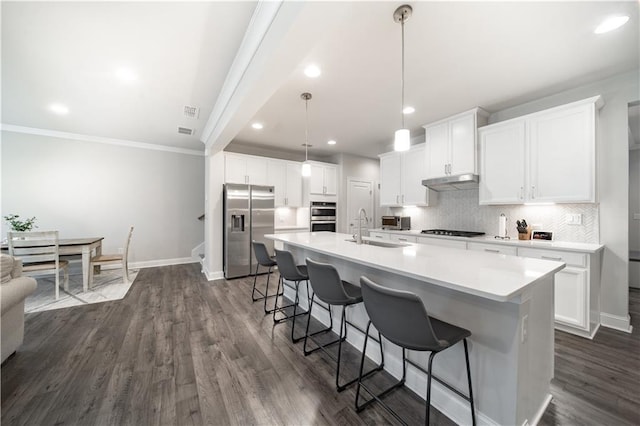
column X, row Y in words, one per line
column 213, row 220
column 613, row 182
column 84, row 188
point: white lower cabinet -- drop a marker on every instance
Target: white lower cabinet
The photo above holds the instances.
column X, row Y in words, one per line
column 379, row 235
column 577, row 290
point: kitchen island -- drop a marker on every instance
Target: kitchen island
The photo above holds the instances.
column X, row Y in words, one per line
column 505, row 301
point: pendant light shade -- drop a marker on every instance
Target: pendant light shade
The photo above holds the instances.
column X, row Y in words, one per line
column 306, row 166
column 402, row 140
column 306, row 169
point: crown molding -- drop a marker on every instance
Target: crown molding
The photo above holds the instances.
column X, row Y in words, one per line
column 97, row 139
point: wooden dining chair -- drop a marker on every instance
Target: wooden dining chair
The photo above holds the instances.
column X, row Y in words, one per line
column 39, row 252
column 113, row 259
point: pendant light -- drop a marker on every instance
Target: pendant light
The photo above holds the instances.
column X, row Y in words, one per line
column 402, row 140
column 306, row 166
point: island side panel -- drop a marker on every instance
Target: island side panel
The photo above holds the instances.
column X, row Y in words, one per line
column 500, row 361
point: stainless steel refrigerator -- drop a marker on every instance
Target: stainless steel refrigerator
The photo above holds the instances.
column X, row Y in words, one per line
column 248, row 216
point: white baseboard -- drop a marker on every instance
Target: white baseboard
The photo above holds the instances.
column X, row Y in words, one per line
column 616, row 322
column 212, row 275
column 197, row 251
column 160, row 262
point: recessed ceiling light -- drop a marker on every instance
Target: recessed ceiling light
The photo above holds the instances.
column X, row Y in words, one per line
column 611, row 23
column 59, row 109
column 408, row 110
column 331, row 142
column 257, row 126
column 312, row 71
column 126, row 74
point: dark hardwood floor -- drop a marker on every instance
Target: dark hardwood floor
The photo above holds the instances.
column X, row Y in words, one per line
column 180, row 350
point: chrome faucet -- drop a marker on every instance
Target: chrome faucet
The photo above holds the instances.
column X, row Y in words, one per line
column 361, row 212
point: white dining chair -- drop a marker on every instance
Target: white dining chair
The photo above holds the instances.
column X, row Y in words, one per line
column 39, row 252
column 113, row 259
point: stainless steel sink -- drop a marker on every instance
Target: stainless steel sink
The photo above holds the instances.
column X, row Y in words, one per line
column 378, row 243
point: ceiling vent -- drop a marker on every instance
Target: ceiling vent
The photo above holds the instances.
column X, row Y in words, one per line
column 191, row 111
column 185, row 131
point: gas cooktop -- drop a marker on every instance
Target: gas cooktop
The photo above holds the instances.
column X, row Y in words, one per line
column 452, row 233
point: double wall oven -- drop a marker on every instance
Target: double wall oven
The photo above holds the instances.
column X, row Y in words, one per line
column 322, row 216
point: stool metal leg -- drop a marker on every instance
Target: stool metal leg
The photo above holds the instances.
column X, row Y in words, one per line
column 466, row 357
column 280, row 309
column 431, row 356
column 308, row 335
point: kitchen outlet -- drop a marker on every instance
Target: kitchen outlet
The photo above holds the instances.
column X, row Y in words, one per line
column 525, row 329
column 574, row 219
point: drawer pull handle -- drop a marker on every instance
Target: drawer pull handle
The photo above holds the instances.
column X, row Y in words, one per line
column 552, row 258
column 378, row 236
column 492, row 250
column 402, row 239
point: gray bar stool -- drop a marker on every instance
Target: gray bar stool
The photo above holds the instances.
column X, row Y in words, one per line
column 264, row 259
column 400, row 316
column 291, row 272
column 330, row 289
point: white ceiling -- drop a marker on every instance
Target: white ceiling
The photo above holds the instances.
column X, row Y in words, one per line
column 458, row 55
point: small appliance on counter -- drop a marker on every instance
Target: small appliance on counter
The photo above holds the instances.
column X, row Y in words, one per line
column 398, row 223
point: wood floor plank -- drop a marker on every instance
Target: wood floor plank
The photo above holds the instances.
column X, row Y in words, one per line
column 181, row 350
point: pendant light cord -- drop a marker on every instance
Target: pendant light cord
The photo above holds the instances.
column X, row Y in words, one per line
column 306, row 130
column 402, row 77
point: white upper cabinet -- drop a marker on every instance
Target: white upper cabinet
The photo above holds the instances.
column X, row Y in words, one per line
column 323, row 179
column 286, row 178
column 544, row 157
column 401, row 175
column 502, row 160
column 451, row 147
column 239, row 168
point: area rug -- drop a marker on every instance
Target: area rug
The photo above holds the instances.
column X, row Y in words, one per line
column 107, row 286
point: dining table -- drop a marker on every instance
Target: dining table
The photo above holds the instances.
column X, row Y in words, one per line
column 85, row 246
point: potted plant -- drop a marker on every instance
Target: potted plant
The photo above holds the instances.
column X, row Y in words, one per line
column 20, row 225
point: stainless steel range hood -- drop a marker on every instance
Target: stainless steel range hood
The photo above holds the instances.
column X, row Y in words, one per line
column 452, row 183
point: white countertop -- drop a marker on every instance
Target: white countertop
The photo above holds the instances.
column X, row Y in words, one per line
column 489, row 275
column 550, row 245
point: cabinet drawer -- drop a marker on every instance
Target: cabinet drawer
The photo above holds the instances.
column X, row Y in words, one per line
column 379, row 235
column 442, row 242
column 492, row 248
column 570, row 258
column 403, row 238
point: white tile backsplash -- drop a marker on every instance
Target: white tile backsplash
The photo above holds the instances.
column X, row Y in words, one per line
column 460, row 210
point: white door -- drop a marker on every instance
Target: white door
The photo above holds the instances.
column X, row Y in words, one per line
column 360, row 195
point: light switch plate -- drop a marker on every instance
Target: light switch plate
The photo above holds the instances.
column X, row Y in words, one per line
column 574, row 219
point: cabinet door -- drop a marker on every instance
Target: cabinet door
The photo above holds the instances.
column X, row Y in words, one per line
column 462, row 149
column 277, row 177
column 437, row 152
column 571, row 292
column 316, row 180
column 562, row 155
column 294, row 184
column 412, row 172
column 390, row 183
column 330, row 180
column 257, row 170
column 379, row 235
column 235, row 169
column 502, row 164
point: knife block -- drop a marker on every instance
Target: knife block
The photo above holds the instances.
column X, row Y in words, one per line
column 525, row 235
